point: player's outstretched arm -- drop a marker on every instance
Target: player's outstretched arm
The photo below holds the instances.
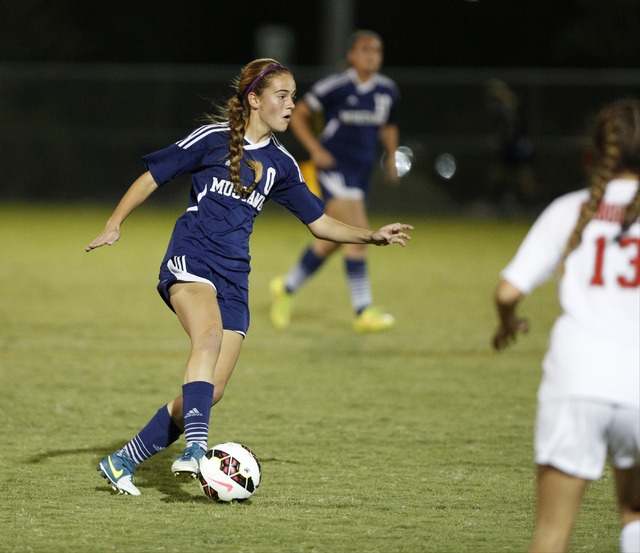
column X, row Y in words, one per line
column 390, row 234
column 138, row 192
column 507, row 297
column 327, row 228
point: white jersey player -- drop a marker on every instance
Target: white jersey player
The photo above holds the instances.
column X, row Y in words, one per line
column 589, row 398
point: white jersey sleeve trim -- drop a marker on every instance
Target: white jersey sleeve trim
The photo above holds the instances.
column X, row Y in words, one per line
column 284, row 151
column 385, row 81
column 541, row 251
column 326, row 85
column 312, row 101
column 200, row 133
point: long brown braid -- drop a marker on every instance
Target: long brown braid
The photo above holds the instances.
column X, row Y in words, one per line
column 617, row 148
column 631, row 160
column 237, row 113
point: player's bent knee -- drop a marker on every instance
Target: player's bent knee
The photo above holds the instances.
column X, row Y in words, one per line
column 207, row 339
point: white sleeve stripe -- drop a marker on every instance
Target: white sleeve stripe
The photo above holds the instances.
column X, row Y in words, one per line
column 283, row 149
column 198, row 138
column 193, row 134
column 385, row 81
column 199, row 134
column 312, row 101
column 329, row 83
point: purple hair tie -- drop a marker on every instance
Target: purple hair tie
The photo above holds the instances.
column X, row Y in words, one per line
column 255, row 81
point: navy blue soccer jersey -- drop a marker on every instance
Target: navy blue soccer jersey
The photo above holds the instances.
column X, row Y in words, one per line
column 218, row 223
column 353, row 114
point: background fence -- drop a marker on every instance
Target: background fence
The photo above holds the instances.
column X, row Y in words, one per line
column 77, row 132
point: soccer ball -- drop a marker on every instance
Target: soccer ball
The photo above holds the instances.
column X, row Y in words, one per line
column 229, row 472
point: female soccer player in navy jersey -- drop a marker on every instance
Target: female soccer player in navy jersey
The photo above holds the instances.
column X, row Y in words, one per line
column 359, row 110
column 235, row 166
column 589, row 398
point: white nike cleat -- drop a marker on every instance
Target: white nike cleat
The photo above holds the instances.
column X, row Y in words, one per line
column 189, row 461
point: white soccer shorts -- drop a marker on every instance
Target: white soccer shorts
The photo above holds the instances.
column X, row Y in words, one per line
column 576, row 435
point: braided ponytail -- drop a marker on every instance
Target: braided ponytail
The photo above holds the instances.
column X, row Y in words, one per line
column 255, row 77
column 237, row 127
column 631, row 213
column 617, row 144
column 601, row 177
column 631, row 157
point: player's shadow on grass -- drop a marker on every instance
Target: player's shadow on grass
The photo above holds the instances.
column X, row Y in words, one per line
column 153, row 473
column 156, row 473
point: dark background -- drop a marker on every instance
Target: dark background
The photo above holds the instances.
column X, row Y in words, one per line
column 87, row 88
column 438, row 33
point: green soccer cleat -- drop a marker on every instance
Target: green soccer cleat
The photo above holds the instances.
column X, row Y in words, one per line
column 118, row 469
column 281, row 303
column 372, row 320
column 189, row 461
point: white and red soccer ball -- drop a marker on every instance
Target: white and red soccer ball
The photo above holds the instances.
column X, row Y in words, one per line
column 229, row 472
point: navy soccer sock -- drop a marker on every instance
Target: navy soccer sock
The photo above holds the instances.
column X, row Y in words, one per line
column 159, row 433
column 309, row 263
column 196, row 408
column 359, row 286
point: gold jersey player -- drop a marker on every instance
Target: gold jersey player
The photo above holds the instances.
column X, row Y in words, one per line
column 359, row 109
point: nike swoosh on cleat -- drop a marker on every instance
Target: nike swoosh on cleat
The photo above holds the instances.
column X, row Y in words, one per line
column 228, row 486
column 116, row 473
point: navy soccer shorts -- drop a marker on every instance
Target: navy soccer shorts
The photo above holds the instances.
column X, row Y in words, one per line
column 344, row 182
column 232, row 298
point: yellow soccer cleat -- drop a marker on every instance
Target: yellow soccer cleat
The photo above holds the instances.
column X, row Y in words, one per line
column 281, row 303
column 372, row 319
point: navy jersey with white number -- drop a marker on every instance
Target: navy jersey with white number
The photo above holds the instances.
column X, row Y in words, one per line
column 353, row 113
column 218, row 223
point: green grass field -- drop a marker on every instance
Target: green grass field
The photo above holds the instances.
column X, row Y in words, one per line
column 417, row 439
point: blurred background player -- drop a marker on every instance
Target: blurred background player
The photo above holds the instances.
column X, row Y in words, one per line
column 359, row 108
column 236, row 164
column 589, row 398
column 511, row 181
